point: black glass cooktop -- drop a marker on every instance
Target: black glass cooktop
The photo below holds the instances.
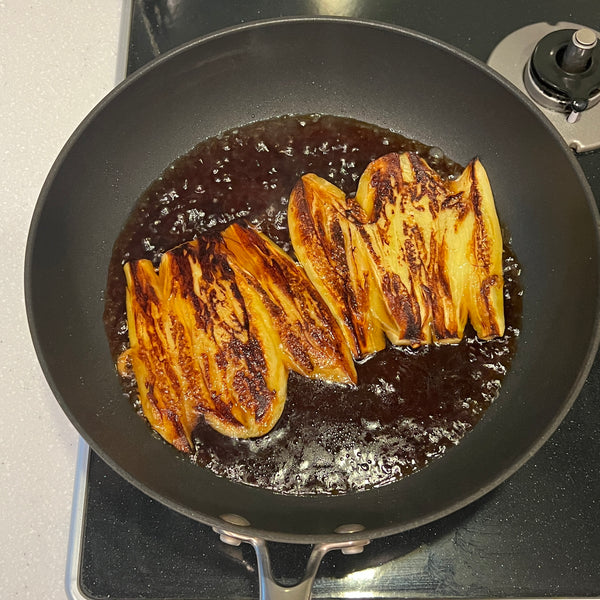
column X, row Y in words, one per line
column 535, row 536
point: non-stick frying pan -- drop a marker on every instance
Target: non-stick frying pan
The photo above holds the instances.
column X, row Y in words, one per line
column 376, row 73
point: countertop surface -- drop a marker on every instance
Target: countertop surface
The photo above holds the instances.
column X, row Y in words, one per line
column 57, row 60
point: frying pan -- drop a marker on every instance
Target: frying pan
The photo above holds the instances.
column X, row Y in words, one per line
column 377, row 73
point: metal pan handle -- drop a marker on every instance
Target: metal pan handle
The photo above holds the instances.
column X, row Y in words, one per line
column 269, row 588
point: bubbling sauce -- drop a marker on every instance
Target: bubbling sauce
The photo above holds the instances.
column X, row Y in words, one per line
column 410, row 405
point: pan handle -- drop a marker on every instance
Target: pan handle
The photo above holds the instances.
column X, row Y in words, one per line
column 269, row 588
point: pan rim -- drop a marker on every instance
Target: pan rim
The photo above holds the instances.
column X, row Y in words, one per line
column 140, row 73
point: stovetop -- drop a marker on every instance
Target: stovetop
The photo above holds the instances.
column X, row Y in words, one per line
column 535, row 536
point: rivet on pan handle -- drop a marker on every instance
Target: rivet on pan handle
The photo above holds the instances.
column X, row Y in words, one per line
column 269, row 588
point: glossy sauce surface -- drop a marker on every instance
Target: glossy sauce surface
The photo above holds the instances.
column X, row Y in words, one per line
column 410, row 404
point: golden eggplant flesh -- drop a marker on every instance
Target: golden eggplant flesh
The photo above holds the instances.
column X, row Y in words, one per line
column 215, row 331
column 473, row 252
column 149, row 357
column 311, row 341
column 196, row 350
column 325, row 230
column 411, row 256
column 401, row 196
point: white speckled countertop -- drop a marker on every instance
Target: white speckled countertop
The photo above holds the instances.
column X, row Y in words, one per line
column 57, row 60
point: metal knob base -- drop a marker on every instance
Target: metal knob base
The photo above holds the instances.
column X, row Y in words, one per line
column 563, row 72
column 579, row 125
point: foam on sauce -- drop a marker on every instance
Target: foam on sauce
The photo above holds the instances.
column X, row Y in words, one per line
column 410, row 404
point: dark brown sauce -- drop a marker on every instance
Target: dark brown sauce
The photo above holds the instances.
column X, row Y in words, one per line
column 410, row 405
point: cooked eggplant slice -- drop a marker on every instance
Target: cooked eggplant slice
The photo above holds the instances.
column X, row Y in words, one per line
column 150, row 357
column 218, row 360
column 403, row 198
column 411, row 256
column 309, row 336
column 325, row 231
column 474, row 250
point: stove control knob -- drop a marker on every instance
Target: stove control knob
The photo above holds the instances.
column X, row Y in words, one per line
column 578, row 53
column 563, row 73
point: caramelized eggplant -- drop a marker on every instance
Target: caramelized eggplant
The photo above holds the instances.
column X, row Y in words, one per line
column 473, row 250
column 211, row 355
column 309, row 336
column 401, row 196
column 411, row 256
column 214, row 333
column 149, row 357
column 325, row 230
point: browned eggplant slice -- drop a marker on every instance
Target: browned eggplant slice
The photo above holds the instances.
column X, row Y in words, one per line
column 219, row 361
column 309, row 336
column 403, row 198
column 325, row 231
column 474, row 250
column 157, row 374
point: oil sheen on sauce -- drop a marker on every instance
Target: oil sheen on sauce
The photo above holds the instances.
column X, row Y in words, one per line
column 410, row 405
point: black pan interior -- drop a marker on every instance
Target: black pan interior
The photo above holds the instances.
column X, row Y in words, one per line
column 379, row 74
